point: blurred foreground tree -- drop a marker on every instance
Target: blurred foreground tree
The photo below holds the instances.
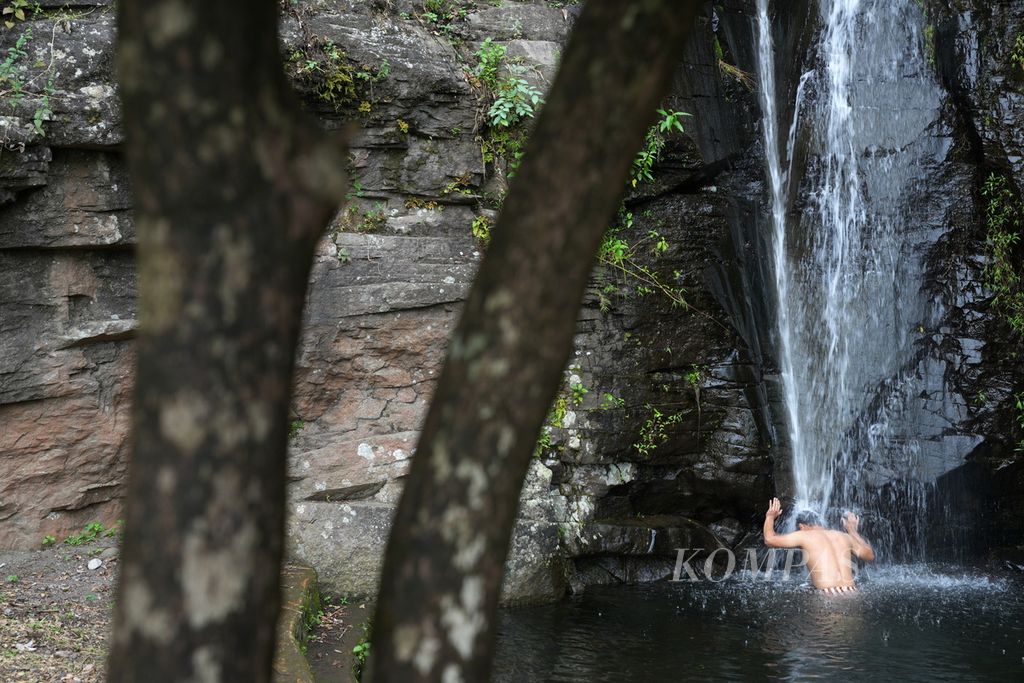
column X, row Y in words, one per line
column 233, row 187
column 446, row 552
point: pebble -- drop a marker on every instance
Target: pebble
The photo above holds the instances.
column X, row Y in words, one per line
column 95, row 563
column 109, row 553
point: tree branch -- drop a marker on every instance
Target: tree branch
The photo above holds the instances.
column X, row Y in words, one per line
column 442, row 572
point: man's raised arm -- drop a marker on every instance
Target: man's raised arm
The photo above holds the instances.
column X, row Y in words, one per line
column 773, row 539
column 861, row 548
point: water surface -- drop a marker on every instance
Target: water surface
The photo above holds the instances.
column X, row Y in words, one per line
column 911, row 623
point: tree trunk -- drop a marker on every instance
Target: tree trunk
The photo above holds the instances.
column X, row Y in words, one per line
column 443, row 568
column 232, row 189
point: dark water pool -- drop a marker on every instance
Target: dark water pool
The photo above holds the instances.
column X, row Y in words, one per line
column 912, row 623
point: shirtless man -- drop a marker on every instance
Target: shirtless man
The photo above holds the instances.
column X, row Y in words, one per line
column 828, row 552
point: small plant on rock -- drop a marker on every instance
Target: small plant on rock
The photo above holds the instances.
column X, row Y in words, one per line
column 654, row 141
column 1017, row 56
column 481, row 229
column 610, row 401
column 90, row 532
column 655, row 430
column 361, row 651
column 443, row 14
column 507, row 102
column 1004, row 216
column 16, row 84
column 19, row 10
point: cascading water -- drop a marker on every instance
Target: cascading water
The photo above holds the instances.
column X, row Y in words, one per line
column 847, row 275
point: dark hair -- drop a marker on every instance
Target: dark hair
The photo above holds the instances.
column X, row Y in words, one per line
column 809, row 517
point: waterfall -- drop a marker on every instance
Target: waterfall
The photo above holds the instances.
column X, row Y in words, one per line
column 779, row 187
column 847, row 273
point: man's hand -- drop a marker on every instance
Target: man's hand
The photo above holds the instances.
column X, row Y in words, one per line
column 860, row 547
column 774, row 540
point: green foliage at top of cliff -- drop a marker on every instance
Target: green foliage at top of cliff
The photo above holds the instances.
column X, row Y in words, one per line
column 1004, row 217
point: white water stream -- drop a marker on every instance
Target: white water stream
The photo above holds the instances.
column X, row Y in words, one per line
column 847, row 282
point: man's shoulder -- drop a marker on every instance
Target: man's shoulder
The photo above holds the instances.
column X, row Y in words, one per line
column 827, row 534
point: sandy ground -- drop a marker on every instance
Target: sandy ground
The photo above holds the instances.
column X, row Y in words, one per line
column 55, row 612
column 55, row 618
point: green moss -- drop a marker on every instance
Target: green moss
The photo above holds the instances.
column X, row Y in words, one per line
column 323, row 68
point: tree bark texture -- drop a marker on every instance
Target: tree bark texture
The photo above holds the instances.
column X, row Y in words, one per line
column 443, row 568
column 232, row 188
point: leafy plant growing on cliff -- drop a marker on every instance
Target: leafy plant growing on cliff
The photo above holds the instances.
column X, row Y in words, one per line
column 323, row 67
column 579, row 392
column 509, row 100
column 19, row 10
column 654, row 142
column 1003, row 215
column 628, row 259
column 514, row 100
column 655, row 429
column 15, row 85
column 442, row 15
column 1017, row 56
column 611, row 401
column 481, row 229
column 489, row 60
column 631, row 259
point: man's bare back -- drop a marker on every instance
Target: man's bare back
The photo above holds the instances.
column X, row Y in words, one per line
column 829, row 553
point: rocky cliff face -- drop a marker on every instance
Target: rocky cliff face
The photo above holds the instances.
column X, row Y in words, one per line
column 665, row 433
column 67, row 280
column 979, row 59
